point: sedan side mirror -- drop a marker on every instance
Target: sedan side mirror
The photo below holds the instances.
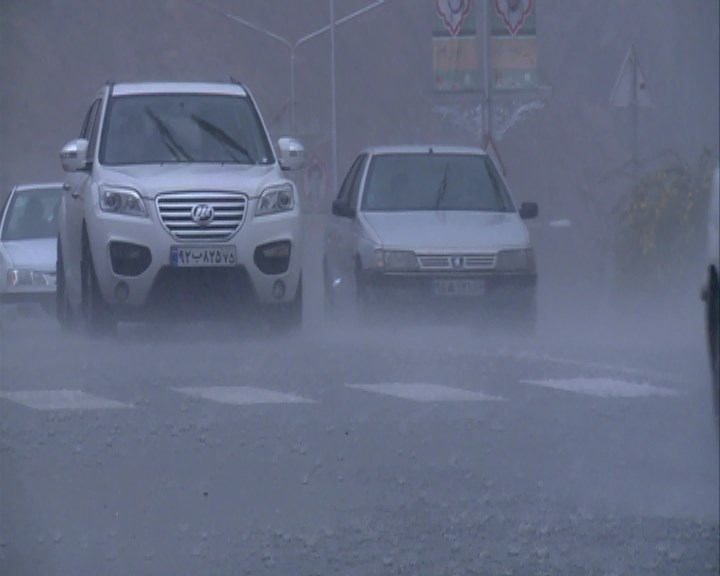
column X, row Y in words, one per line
column 340, row 208
column 73, row 156
column 292, row 154
column 529, row 210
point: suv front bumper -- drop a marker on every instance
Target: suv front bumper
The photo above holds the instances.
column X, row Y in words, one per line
column 138, row 290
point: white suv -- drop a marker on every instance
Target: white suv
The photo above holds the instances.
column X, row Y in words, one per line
column 174, row 194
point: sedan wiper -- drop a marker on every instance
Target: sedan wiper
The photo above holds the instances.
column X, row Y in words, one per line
column 223, row 137
column 442, row 188
column 168, row 139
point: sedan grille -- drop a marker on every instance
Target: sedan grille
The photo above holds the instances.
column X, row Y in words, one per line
column 444, row 262
column 202, row 215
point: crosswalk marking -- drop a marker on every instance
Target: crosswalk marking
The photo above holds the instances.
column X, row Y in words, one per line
column 604, row 387
column 425, row 392
column 239, row 395
column 61, row 400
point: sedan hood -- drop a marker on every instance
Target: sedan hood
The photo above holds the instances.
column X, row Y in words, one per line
column 448, row 231
column 37, row 255
column 153, row 179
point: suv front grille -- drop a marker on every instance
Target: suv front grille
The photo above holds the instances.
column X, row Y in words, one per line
column 226, row 214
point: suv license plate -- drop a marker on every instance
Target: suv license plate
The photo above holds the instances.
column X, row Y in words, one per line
column 203, row 256
column 458, row 287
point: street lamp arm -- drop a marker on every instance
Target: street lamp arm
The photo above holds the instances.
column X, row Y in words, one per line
column 241, row 21
column 340, row 21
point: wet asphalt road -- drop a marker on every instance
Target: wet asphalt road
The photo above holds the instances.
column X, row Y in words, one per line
column 399, row 449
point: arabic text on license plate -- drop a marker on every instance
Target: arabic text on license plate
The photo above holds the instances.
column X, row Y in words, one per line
column 202, row 256
column 452, row 287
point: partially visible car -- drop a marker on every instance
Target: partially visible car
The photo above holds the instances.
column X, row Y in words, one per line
column 28, row 235
column 711, row 291
column 427, row 226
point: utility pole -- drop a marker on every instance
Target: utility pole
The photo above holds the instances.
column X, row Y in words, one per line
column 333, row 124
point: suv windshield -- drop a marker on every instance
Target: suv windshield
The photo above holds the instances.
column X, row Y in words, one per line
column 413, row 182
column 172, row 128
column 32, row 214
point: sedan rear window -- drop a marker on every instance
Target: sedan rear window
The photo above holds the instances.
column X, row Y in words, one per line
column 416, row 182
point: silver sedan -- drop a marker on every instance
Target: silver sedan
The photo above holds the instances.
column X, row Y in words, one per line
column 28, row 238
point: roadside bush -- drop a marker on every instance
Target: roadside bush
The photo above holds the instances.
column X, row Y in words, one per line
column 661, row 228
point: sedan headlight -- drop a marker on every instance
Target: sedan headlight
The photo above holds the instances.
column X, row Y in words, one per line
column 20, row 277
column 516, row 260
column 124, row 201
column 396, row 260
column 276, row 199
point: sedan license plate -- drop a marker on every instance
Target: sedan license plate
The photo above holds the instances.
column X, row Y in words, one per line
column 203, row 256
column 458, row 287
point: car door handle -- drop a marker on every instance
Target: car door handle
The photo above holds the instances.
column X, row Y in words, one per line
column 66, row 187
column 75, row 194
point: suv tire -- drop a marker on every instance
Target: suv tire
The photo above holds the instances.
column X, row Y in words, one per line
column 96, row 313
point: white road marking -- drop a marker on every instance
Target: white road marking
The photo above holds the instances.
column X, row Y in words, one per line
column 604, row 387
column 61, row 400
column 620, row 369
column 425, row 392
column 240, row 395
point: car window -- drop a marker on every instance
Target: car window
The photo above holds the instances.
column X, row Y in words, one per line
column 32, row 214
column 346, row 187
column 87, row 123
column 412, row 182
column 173, row 128
column 356, row 181
column 94, row 127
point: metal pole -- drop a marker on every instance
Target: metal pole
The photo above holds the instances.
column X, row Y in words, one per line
column 634, row 112
column 292, row 91
column 486, row 66
column 333, row 129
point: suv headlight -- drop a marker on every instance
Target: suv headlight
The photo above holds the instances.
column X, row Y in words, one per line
column 276, row 199
column 125, row 201
column 516, row 260
column 395, row 260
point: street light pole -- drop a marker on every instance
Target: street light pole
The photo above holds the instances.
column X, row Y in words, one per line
column 293, row 48
column 333, row 124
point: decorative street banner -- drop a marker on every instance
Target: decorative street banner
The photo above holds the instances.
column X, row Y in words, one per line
column 455, row 46
column 513, row 46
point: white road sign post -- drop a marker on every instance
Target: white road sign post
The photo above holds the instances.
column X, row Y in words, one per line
column 631, row 92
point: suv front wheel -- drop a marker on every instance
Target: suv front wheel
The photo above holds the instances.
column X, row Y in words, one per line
column 96, row 313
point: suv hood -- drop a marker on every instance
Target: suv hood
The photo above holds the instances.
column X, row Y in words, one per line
column 153, row 179
column 449, row 231
column 39, row 254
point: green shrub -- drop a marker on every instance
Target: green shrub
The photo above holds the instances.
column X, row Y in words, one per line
column 661, row 227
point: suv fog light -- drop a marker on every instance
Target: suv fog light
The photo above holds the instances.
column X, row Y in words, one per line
column 273, row 258
column 122, row 291
column 278, row 289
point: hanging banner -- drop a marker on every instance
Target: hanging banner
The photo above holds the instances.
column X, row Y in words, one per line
column 513, row 45
column 455, row 46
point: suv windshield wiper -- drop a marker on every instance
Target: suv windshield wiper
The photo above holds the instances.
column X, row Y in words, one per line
column 442, row 188
column 223, row 137
column 168, row 139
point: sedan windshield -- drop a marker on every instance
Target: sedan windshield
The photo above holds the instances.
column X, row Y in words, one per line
column 173, row 128
column 415, row 182
column 32, row 214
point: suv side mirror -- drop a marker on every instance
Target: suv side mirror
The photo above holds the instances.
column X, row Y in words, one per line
column 340, row 208
column 529, row 210
column 74, row 155
column 292, row 154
